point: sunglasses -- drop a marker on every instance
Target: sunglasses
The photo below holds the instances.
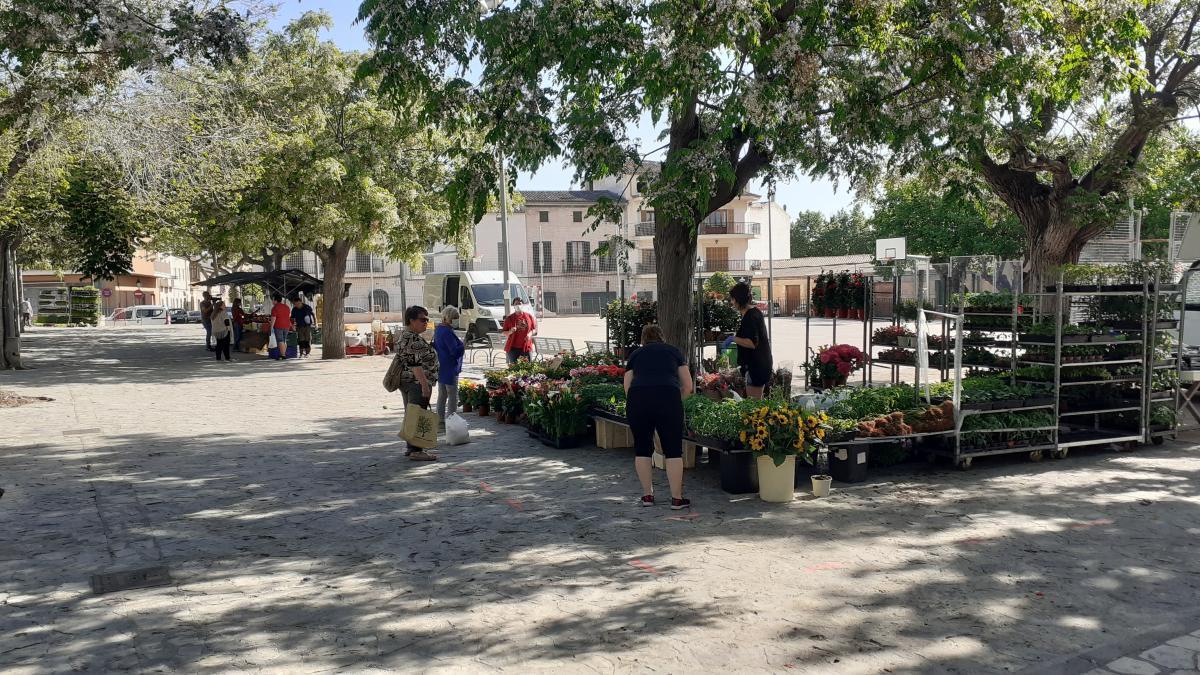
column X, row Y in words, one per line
column 423, row 318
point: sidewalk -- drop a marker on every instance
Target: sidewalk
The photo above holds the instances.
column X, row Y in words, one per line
column 298, row 539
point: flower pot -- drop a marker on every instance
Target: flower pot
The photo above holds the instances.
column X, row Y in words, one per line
column 483, row 411
column 820, row 485
column 830, row 312
column 843, row 313
column 831, row 382
column 776, row 484
column 467, row 407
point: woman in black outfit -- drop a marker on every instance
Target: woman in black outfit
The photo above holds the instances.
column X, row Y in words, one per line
column 657, row 380
column 754, row 345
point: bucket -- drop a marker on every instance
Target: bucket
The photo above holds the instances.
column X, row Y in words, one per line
column 776, row 483
column 820, row 485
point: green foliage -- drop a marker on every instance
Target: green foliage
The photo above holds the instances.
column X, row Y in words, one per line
column 944, row 222
column 102, row 225
column 858, row 403
column 845, row 232
column 595, row 395
column 721, row 420
column 719, row 283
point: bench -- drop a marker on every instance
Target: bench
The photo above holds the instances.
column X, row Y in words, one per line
column 491, row 346
column 594, row 347
column 550, row 347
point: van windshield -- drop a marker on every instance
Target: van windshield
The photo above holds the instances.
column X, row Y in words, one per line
column 489, row 295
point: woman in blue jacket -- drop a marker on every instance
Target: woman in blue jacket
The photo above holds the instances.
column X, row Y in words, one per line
column 450, row 359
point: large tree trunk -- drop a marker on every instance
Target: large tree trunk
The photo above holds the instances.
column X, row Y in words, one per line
column 333, row 305
column 675, row 250
column 10, row 307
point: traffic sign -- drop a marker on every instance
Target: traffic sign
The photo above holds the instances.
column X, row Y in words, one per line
column 139, row 294
column 107, row 292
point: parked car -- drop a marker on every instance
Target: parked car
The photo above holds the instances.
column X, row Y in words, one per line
column 141, row 315
column 194, row 317
column 179, row 316
column 762, row 306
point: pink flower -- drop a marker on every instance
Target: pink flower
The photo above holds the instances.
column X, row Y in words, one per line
column 843, row 368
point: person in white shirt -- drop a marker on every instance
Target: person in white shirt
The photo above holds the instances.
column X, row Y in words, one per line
column 26, row 313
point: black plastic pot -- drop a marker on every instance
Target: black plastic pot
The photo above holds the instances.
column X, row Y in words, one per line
column 1037, row 400
column 977, row 405
column 739, row 471
column 848, row 464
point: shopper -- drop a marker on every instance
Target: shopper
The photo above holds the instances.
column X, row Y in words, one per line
column 303, row 319
column 206, row 308
column 754, row 345
column 519, row 328
column 281, row 324
column 222, row 329
column 450, row 352
column 419, row 368
column 239, row 323
column 26, row 313
column 657, row 381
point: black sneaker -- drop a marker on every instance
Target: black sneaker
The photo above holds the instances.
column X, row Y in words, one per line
column 680, row 504
column 647, row 500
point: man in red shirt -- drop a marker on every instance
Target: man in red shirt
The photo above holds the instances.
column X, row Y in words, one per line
column 281, row 323
column 519, row 327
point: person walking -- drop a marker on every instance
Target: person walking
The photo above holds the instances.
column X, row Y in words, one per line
column 657, row 380
column 206, row 308
column 419, row 369
column 222, row 329
column 239, row 323
column 519, row 328
column 450, row 352
column 26, row 313
column 303, row 319
column 754, row 345
column 281, row 324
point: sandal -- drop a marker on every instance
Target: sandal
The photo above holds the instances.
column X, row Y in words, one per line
column 421, row 456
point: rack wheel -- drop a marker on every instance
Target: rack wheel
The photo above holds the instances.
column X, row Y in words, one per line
column 1060, row 454
column 1036, row 456
column 963, row 463
column 1157, row 440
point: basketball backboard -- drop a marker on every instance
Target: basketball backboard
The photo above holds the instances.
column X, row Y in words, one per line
column 887, row 250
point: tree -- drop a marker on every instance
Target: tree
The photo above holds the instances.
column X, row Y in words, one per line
column 1051, row 106
column 1167, row 180
column 846, row 232
column 741, row 90
column 347, row 172
column 719, row 283
column 55, row 58
column 803, row 230
column 946, row 221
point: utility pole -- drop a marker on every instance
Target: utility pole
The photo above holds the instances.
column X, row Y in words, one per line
column 770, row 261
column 403, row 294
column 504, row 235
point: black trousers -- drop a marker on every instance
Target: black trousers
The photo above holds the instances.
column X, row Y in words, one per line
column 223, row 347
column 651, row 409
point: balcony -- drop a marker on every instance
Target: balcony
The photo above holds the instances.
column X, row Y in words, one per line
column 646, row 229
column 706, row 266
column 590, row 265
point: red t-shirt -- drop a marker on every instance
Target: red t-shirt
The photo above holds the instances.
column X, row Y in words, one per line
column 282, row 315
column 521, row 338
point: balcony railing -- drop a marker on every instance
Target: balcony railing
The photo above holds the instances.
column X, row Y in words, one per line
column 646, row 229
column 706, row 266
column 589, row 265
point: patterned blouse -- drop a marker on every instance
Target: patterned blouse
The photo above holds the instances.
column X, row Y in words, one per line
column 414, row 351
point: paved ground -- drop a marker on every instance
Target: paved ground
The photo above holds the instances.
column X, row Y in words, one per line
column 299, row 540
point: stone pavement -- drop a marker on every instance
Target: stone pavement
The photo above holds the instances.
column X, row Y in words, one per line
column 299, row 540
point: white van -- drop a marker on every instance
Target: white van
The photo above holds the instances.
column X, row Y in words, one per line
column 478, row 296
column 140, row 315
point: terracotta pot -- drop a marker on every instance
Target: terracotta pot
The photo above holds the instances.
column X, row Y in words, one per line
column 843, row 313
column 467, row 407
column 483, row 411
column 830, row 382
column 830, row 312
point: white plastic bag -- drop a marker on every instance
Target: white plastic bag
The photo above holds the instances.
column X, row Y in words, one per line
column 457, row 431
column 271, row 342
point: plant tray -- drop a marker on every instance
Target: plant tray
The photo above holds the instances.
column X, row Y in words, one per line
column 977, row 405
column 1007, row 403
column 561, row 443
column 608, row 415
column 1076, row 339
column 714, row 443
column 1037, row 400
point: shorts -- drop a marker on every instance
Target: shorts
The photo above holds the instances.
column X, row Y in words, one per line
column 281, row 335
column 757, row 376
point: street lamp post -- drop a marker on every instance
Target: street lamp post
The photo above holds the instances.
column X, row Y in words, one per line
column 504, row 235
column 770, row 261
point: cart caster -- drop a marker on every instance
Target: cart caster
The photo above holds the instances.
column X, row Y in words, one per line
column 1036, row 456
column 1158, row 440
column 963, row 463
column 1059, row 454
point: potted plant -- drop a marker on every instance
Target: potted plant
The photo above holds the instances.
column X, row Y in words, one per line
column 776, row 433
column 557, row 412
column 843, row 295
column 817, row 294
column 858, row 295
column 833, row 299
column 467, row 390
column 890, row 335
column 836, row 363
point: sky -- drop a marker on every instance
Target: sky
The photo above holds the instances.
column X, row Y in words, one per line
column 795, row 196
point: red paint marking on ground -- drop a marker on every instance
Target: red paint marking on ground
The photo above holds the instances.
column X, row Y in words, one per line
column 823, row 566
column 515, row 504
column 460, row 469
column 1040, row 594
column 644, row 567
column 485, row 487
column 1091, row 523
column 975, row 540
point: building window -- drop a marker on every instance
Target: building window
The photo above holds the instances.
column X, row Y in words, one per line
column 578, row 256
column 577, row 216
column 543, row 216
column 380, row 300
column 362, row 261
column 641, row 185
column 427, row 265
column 542, row 260
column 294, row 261
column 646, row 216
